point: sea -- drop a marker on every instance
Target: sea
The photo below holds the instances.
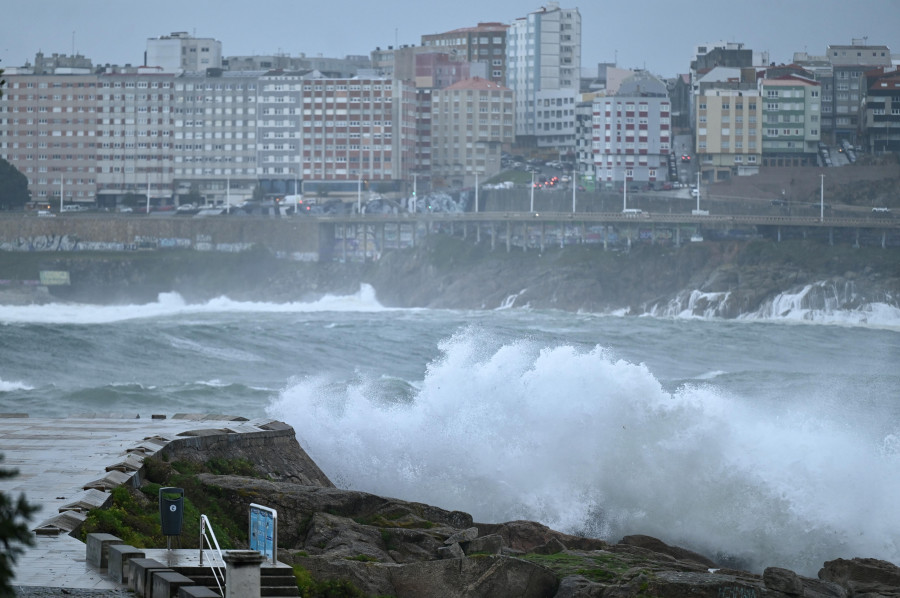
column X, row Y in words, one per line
column 768, row 440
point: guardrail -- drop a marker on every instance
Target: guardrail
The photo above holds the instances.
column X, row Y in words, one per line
column 643, row 217
column 212, row 545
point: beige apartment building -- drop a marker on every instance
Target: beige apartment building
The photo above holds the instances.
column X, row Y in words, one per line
column 729, row 130
column 472, row 122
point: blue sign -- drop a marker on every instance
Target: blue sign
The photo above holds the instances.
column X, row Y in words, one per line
column 263, row 530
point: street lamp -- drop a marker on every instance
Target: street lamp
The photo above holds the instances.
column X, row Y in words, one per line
column 532, row 192
column 822, row 198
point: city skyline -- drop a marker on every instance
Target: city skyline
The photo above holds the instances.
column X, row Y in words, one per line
column 105, row 32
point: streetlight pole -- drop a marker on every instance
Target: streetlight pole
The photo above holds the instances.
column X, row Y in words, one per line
column 698, row 191
column 822, row 198
column 532, row 192
column 359, row 193
column 476, row 192
column 574, row 184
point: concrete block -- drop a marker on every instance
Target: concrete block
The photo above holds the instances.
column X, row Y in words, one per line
column 165, row 584
column 98, row 549
column 197, row 592
column 139, row 571
column 119, row 555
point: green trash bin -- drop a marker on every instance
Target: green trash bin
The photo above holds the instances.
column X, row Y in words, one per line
column 171, row 510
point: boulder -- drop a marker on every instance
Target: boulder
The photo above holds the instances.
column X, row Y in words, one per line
column 490, row 544
column 483, row 576
column 656, row 545
column 296, row 504
column 863, row 576
column 524, row 536
column 783, row 580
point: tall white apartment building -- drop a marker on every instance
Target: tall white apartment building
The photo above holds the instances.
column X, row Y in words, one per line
column 214, row 134
column 543, row 69
column 134, row 136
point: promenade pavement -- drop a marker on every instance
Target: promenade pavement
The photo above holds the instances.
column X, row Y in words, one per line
column 66, row 466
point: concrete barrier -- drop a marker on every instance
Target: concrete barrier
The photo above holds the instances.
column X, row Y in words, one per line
column 98, row 549
column 139, row 575
column 119, row 555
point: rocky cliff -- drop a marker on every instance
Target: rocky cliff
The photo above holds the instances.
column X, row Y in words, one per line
column 368, row 545
column 731, row 277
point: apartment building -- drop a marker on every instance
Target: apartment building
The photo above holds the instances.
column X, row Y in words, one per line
column 543, row 61
column 791, row 118
column 849, row 64
column 215, row 123
column 729, row 131
column 134, row 136
column 352, row 131
column 485, row 43
column 472, row 122
column 632, row 132
column 181, row 52
column 880, row 112
column 115, row 136
column 49, row 131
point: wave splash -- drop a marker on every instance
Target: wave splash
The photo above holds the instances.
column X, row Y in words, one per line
column 172, row 304
column 10, row 386
column 590, row 444
column 823, row 302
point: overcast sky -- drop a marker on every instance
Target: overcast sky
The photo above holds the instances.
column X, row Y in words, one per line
column 658, row 35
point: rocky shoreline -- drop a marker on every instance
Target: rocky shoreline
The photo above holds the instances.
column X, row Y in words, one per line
column 735, row 277
column 370, row 545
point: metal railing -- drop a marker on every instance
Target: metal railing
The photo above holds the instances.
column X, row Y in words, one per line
column 208, row 539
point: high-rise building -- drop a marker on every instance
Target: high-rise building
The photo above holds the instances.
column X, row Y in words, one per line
column 543, row 69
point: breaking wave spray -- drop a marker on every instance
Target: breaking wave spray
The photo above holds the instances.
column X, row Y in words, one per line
column 589, row 444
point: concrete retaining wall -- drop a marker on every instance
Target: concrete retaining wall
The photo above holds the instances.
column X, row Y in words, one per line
column 292, row 237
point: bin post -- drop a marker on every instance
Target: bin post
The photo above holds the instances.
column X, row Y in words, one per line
column 171, row 512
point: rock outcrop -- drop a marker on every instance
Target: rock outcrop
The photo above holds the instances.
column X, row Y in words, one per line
column 386, row 546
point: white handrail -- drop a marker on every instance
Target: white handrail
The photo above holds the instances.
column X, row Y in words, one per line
column 216, row 551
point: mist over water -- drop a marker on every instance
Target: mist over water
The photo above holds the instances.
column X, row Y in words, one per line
column 766, row 442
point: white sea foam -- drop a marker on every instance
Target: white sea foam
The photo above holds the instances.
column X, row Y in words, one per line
column 9, row 386
column 172, row 304
column 587, row 443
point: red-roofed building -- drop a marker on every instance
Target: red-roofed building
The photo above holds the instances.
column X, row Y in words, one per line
column 484, row 43
column 472, row 122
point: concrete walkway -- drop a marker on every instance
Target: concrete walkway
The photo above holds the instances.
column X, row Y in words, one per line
column 67, row 466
